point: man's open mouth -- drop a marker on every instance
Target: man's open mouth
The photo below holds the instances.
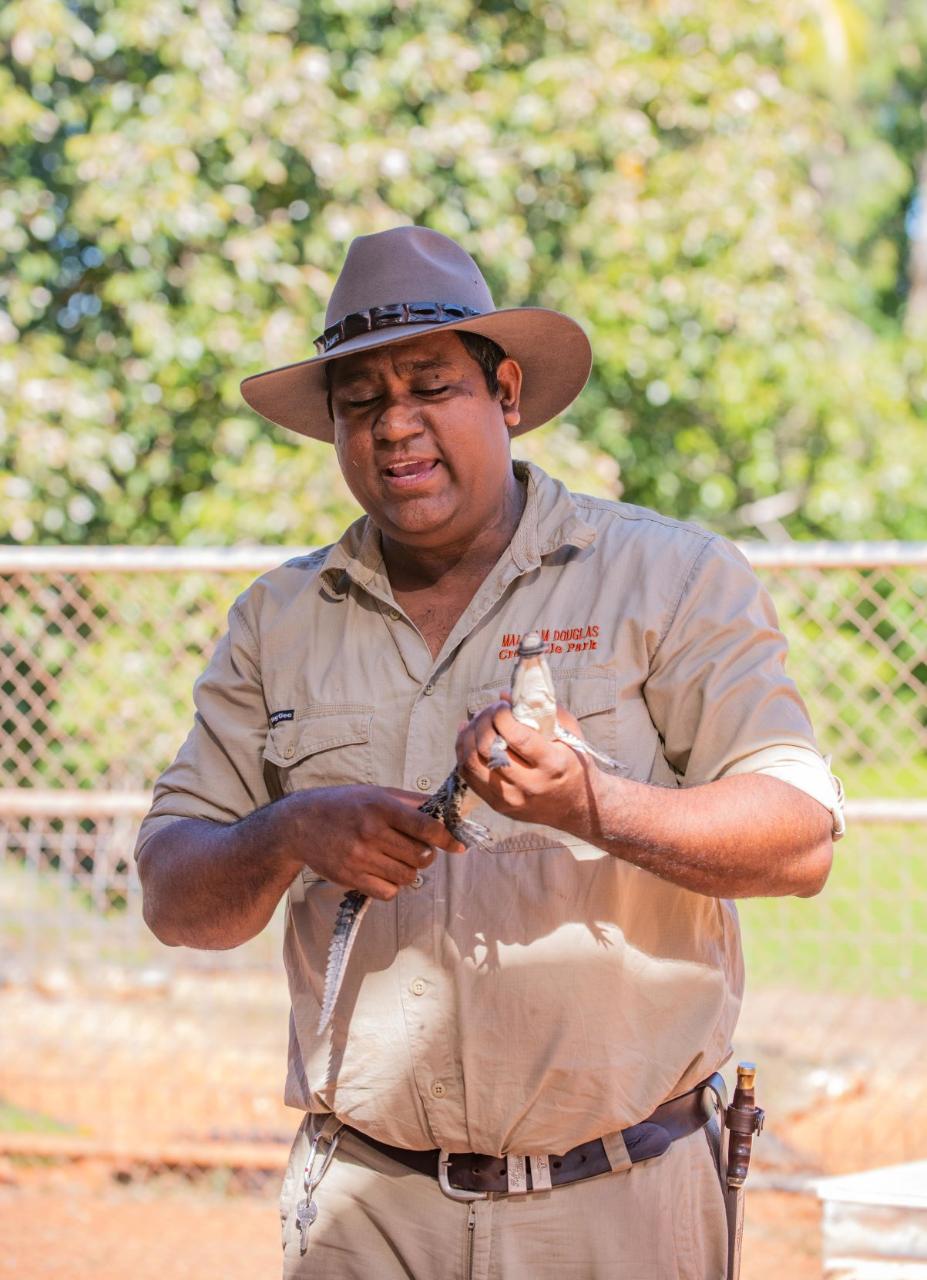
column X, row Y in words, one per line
column 413, row 469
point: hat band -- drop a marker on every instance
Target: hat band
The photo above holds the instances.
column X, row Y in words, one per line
column 386, row 317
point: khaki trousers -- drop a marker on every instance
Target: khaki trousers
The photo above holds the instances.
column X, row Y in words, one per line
column 662, row 1219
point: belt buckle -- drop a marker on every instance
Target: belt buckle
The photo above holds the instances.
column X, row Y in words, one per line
column 455, row 1193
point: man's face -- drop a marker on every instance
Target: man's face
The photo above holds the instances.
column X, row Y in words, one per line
column 422, row 444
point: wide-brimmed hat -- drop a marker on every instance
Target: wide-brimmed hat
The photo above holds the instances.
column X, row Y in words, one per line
column 403, row 283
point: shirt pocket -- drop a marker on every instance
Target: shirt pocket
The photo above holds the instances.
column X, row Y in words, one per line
column 324, row 746
column 593, row 699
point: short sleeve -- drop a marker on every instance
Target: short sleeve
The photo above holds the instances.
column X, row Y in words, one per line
column 218, row 773
column 717, row 689
column 804, row 768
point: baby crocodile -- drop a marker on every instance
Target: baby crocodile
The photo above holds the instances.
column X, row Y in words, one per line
column 534, row 703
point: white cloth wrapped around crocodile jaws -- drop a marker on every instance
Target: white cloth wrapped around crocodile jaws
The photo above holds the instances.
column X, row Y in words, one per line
column 534, row 704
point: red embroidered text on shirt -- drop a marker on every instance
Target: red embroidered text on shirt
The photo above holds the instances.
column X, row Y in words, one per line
column 558, row 639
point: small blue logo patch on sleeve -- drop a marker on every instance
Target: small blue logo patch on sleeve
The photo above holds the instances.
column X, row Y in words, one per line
column 278, row 716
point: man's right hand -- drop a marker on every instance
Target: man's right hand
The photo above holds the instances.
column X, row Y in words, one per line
column 207, row 884
column 373, row 839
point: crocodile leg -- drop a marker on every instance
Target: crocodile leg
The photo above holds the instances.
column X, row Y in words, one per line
column 606, row 763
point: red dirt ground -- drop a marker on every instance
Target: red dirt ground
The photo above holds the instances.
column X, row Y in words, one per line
column 201, row 1062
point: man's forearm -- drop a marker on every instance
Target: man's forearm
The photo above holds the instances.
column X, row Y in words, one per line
column 745, row 836
column 214, row 886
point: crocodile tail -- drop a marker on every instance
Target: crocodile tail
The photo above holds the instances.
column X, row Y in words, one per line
column 347, row 922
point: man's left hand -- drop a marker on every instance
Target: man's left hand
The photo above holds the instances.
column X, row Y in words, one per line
column 742, row 836
column 546, row 782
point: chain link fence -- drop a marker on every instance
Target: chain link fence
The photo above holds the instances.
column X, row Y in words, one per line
column 110, row 1040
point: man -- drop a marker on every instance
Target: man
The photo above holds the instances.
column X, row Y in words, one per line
column 546, row 1001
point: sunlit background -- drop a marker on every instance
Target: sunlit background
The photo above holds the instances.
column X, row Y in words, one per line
column 732, row 198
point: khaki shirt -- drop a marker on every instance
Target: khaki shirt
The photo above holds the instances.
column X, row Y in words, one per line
column 545, row 993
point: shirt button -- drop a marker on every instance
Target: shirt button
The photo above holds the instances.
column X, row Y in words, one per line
column 429, row 689
column 394, row 614
column 438, row 1089
column 423, row 783
column 418, row 881
column 290, row 751
column 418, row 987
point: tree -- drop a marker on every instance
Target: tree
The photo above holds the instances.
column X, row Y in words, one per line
column 682, row 178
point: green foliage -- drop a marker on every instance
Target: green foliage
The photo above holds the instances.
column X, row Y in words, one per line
column 717, row 191
column 101, row 669
column 865, row 935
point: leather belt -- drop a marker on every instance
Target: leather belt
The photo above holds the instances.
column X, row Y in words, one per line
column 475, row 1175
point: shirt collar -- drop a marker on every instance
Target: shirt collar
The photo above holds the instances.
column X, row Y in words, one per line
column 550, row 521
column 357, row 556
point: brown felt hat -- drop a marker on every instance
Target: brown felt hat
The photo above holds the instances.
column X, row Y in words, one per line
column 400, row 284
